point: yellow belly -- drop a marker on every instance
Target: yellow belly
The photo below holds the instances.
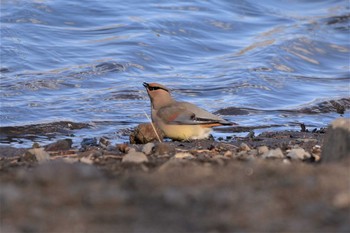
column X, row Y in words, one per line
column 184, row 132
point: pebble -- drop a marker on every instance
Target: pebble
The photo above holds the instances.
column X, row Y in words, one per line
column 164, row 148
column 147, row 148
column 273, row 154
column 298, row 153
column 122, row 147
column 183, row 155
column 262, row 150
column 228, row 154
column 144, row 133
column 134, row 157
column 40, row 154
column 104, row 142
column 244, row 147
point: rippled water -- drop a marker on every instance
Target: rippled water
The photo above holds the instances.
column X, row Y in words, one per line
column 284, row 62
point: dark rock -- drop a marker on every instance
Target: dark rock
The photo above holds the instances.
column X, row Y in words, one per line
column 336, row 143
column 144, row 133
column 64, row 144
column 123, row 147
column 104, row 142
column 89, row 142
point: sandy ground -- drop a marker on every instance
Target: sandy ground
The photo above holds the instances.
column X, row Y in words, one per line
column 200, row 186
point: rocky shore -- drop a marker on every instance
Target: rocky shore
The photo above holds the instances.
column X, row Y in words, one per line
column 275, row 181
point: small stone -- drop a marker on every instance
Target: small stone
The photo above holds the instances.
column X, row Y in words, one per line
column 147, row 148
column 316, row 150
column 262, row 150
column 273, row 154
column 104, row 142
column 122, row 147
column 298, row 153
column 145, row 133
column 183, row 155
column 35, row 145
column 228, row 154
column 40, row 154
column 244, row 147
column 164, row 148
column 64, row 144
column 134, row 157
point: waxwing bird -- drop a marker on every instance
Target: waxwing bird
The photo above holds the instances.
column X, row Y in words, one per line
column 180, row 120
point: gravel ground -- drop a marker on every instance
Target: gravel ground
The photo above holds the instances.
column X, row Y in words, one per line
column 277, row 181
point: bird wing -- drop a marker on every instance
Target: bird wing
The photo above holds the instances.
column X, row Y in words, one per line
column 185, row 113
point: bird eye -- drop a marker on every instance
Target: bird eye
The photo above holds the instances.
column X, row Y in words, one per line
column 153, row 88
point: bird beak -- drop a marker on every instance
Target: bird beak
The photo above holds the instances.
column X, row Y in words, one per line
column 146, row 85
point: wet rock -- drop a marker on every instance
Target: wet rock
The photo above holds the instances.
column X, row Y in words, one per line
column 134, row 157
column 336, row 143
column 89, row 142
column 147, row 148
column 164, row 148
column 262, row 150
column 244, row 147
column 298, row 153
column 104, row 142
column 64, row 144
column 273, row 154
column 144, row 133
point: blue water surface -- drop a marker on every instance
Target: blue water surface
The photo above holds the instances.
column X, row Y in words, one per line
column 85, row 61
